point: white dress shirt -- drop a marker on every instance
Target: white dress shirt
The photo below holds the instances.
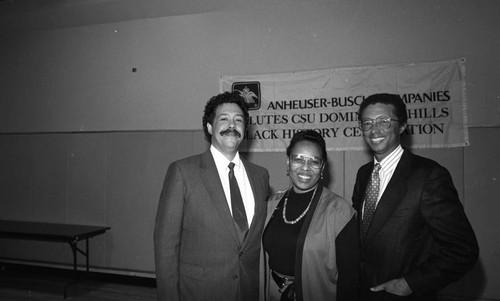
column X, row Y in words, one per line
column 241, row 176
column 387, row 168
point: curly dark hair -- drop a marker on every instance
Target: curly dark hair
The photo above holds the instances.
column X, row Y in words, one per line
column 217, row 100
column 308, row 135
column 389, row 99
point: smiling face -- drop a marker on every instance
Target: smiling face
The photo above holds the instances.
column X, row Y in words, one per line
column 304, row 177
column 227, row 129
column 382, row 141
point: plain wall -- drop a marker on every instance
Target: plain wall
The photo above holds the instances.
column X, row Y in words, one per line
column 82, row 79
column 84, row 139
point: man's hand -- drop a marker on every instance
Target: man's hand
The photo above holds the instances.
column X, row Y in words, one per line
column 398, row 287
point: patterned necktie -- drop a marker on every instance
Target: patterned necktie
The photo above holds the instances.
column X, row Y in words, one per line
column 371, row 199
column 239, row 215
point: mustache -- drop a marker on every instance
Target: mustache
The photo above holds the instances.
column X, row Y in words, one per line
column 230, row 131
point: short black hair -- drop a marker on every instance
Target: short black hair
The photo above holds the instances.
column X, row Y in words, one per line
column 217, row 100
column 308, row 135
column 389, row 99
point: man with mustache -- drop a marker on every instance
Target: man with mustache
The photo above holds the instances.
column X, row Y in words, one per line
column 207, row 243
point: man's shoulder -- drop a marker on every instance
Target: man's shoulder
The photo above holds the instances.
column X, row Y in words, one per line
column 193, row 160
column 421, row 161
column 421, row 167
column 254, row 167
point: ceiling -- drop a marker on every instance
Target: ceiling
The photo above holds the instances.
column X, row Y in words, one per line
column 29, row 15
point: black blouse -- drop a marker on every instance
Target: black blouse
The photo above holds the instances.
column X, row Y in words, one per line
column 280, row 239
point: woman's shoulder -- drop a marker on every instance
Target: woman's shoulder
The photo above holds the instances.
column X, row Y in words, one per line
column 332, row 201
column 278, row 195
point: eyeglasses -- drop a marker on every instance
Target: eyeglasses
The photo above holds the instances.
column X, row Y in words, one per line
column 299, row 160
column 382, row 122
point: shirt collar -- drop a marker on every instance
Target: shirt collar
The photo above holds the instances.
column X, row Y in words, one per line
column 221, row 161
column 394, row 156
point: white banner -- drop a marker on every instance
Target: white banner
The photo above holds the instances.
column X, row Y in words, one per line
column 328, row 102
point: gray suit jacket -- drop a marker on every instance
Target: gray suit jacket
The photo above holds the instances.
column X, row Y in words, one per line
column 198, row 255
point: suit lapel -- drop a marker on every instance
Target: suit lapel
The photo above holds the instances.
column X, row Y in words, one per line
column 364, row 176
column 216, row 195
column 257, row 190
column 390, row 199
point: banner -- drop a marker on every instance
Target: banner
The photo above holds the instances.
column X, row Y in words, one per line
column 328, row 101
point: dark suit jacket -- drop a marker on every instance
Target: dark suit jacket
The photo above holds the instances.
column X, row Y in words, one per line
column 419, row 230
column 198, row 255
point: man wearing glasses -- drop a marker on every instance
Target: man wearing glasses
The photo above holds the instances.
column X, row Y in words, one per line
column 415, row 236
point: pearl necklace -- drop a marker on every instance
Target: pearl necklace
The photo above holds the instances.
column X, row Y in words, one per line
column 303, row 213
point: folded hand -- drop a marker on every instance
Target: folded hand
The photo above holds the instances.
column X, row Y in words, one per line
column 398, row 287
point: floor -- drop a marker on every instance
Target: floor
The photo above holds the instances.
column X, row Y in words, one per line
column 29, row 283
column 19, row 283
